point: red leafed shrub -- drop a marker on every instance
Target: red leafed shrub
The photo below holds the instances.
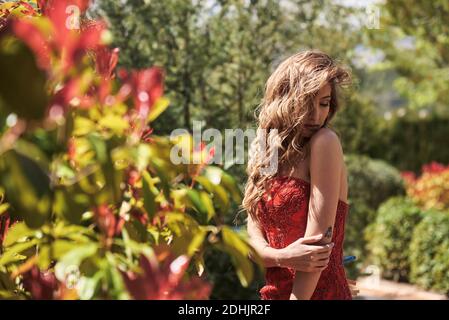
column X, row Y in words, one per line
column 100, row 210
column 162, row 277
column 430, row 190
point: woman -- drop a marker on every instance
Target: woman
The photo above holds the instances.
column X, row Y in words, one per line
column 307, row 195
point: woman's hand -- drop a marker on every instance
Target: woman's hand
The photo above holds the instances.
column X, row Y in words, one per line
column 302, row 255
column 353, row 287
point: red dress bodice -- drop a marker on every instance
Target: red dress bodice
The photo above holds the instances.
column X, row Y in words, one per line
column 282, row 212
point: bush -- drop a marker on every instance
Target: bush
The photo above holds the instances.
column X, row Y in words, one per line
column 416, row 141
column 390, row 235
column 226, row 285
column 100, row 210
column 358, row 126
column 366, row 175
column 429, row 258
column 359, row 216
column 431, row 189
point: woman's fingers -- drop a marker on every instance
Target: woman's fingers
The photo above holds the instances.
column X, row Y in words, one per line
column 321, row 249
column 320, row 256
column 321, row 263
column 312, row 239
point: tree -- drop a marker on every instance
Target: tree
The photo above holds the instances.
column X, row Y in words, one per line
column 219, row 54
column 415, row 42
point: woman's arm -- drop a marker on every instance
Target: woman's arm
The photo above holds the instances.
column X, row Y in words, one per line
column 270, row 256
column 299, row 255
column 326, row 161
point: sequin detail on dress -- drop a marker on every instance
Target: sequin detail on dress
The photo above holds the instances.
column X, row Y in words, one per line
column 283, row 217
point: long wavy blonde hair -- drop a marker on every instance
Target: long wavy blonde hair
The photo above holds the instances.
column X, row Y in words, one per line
column 286, row 105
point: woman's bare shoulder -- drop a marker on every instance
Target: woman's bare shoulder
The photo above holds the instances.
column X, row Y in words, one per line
column 325, row 138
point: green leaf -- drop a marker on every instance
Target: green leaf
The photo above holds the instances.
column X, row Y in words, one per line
column 83, row 126
column 207, row 185
column 33, row 152
column 239, row 251
column 188, row 235
column 196, row 242
column 149, row 194
column 221, row 197
column 231, row 185
column 156, row 164
column 44, row 258
column 99, row 146
column 117, row 289
column 63, row 206
column 73, row 232
column 3, row 208
column 13, row 253
column 208, row 204
column 197, row 203
column 18, row 231
column 136, row 231
column 159, row 107
column 27, row 187
column 6, row 282
column 87, row 287
column 143, row 156
column 61, row 247
column 74, row 258
column 70, row 205
column 115, row 123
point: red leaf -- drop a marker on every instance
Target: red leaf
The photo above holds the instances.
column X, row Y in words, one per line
column 41, row 285
column 33, row 37
column 148, row 86
column 106, row 220
column 66, row 94
column 106, row 60
column 163, row 279
column 71, row 149
column 5, row 221
column 143, row 286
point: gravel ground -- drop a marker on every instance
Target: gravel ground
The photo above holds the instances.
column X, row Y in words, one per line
column 375, row 289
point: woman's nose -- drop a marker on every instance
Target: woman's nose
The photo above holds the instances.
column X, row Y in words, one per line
column 314, row 116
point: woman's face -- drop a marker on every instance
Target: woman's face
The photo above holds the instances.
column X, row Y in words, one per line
column 321, row 107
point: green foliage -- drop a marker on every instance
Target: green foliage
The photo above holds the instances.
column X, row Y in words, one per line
column 95, row 196
column 27, row 187
column 411, row 141
column 370, row 183
column 218, row 54
column 359, row 217
column 389, row 237
column 415, row 43
column 226, row 283
column 358, row 125
column 366, row 175
column 429, row 252
column 27, row 98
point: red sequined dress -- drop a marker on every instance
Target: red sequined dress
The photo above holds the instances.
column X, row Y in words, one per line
column 283, row 216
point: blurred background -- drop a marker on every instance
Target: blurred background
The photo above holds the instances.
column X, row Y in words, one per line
column 393, row 124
